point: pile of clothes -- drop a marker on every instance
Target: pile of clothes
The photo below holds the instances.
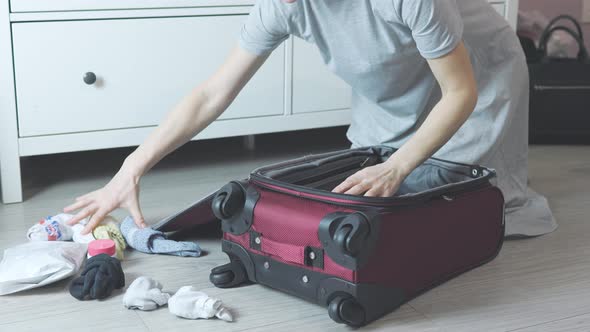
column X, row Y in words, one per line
column 57, row 250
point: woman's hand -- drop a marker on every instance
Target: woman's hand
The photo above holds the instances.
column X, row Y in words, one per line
column 381, row 180
column 121, row 192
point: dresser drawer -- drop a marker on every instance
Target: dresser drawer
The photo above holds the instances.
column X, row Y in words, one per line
column 143, row 67
column 63, row 5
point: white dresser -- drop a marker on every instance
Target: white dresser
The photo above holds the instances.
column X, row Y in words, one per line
column 93, row 74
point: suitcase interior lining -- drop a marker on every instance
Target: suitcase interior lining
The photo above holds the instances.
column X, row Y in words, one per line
column 327, row 173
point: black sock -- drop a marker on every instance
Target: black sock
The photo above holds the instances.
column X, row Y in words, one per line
column 102, row 274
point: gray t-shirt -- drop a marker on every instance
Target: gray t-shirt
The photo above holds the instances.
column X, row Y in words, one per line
column 380, row 48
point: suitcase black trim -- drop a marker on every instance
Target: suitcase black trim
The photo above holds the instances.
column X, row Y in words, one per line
column 376, row 301
column 242, row 198
column 373, row 300
column 362, row 229
column 314, row 257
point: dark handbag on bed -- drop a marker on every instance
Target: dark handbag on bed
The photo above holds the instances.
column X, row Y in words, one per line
column 560, row 91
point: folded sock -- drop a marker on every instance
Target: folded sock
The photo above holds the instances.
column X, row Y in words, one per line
column 150, row 241
column 192, row 304
column 101, row 275
column 52, row 228
column 145, row 293
column 109, row 229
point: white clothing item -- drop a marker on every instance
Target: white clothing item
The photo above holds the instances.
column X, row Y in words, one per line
column 77, row 228
column 52, row 228
column 145, row 293
column 39, row 263
column 192, row 304
column 78, row 237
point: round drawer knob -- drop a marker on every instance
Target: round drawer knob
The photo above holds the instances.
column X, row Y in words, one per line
column 89, row 78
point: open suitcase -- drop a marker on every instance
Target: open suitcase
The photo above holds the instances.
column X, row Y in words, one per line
column 361, row 257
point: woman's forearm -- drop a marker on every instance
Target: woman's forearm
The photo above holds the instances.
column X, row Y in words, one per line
column 384, row 180
column 195, row 112
column 440, row 125
column 459, row 98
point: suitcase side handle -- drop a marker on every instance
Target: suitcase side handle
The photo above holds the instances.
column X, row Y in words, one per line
column 298, row 254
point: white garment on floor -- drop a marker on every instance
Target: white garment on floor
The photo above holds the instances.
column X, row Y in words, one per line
column 52, row 228
column 145, row 293
column 55, row 228
column 192, row 304
column 39, row 263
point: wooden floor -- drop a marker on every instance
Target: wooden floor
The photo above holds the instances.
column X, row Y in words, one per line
column 540, row 284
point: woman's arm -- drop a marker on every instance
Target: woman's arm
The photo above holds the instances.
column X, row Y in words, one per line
column 197, row 110
column 194, row 113
column 459, row 97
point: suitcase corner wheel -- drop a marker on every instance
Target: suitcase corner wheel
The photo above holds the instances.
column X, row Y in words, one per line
column 344, row 309
column 228, row 201
column 229, row 275
column 351, row 235
column 349, row 238
column 234, row 206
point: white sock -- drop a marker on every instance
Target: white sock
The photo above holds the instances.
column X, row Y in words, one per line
column 145, row 293
column 52, row 228
column 192, row 304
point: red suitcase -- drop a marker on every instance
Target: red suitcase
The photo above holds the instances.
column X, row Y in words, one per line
column 361, row 257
